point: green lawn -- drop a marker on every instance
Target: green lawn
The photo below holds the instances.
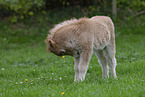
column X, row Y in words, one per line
column 23, row 56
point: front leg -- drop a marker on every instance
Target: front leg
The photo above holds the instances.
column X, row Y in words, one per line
column 85, row 57
column 76, row 68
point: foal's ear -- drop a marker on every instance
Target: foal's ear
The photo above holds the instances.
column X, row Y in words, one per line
column 47, row 41
column 52, row 43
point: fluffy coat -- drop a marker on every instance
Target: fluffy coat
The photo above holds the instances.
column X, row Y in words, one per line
column 80, row 38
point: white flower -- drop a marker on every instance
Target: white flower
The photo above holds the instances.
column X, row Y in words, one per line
column 60, row 78
column 21, row 82
column 3, row 68
column 31, row 83
column 38, row 78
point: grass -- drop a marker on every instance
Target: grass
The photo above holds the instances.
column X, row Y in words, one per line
column 23, row 56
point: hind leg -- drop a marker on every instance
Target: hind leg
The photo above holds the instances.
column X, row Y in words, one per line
column 110, row 54
column 103, row 62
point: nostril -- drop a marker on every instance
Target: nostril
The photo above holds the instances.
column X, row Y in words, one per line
column 78, row 53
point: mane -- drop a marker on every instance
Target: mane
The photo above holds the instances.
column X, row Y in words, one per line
column 62, row 24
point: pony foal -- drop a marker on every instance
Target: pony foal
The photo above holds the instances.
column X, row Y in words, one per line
column 80, row 38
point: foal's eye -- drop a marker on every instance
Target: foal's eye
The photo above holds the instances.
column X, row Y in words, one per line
column 62, row 52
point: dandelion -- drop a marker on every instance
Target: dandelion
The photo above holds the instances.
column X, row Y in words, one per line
column 3, row 68
column 62, row 93
column 63, row 56
column 26, row 80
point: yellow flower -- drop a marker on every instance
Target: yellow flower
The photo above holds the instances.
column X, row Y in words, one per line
column 62, row 93
column 26, row 80
column 63, row 56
